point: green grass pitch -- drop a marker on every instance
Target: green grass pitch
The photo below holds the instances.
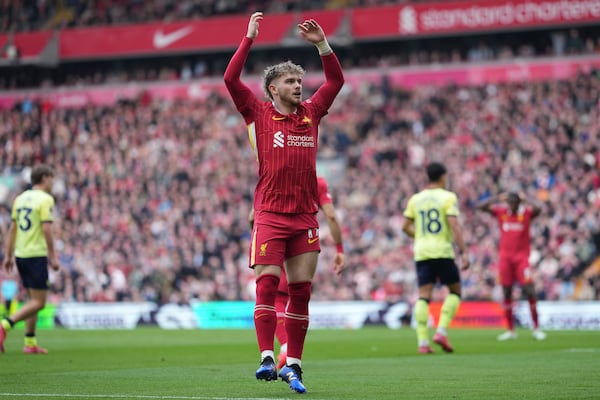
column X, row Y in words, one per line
column 370, row 363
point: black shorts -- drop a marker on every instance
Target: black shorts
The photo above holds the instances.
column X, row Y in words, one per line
column 34, row 272
column 442, row 270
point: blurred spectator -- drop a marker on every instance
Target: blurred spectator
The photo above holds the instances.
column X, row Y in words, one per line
column 574, row 44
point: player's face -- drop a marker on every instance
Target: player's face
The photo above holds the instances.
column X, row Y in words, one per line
column 288, row 88
column 513, row 203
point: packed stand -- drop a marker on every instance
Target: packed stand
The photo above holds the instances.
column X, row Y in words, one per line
column 30, row 15
column 153, row 197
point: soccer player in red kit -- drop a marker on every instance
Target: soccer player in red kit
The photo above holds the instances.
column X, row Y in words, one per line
column 326, row 205
column 283, row 132
column 514, row 220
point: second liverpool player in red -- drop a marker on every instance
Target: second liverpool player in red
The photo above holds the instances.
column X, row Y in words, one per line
column 514, row 218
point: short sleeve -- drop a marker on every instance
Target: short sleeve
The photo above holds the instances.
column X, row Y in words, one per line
column 451, row 206
column 46, row 210
column 409, row 212
column 13, row 214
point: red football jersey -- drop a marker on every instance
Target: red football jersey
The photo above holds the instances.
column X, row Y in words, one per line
column 285, row 145
column 514, row 229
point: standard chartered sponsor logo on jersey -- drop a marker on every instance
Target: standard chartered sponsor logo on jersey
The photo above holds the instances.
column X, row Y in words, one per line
column 300, row 141
column 512, row 226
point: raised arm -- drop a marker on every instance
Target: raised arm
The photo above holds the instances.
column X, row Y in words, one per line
column 486, row 204
column 312, row 32
column 536, row 205
column 240, row 93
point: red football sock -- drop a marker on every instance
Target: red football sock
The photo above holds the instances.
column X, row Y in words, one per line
column 508, row 314
column 265, row 318
column 280, row 303
column 296, row 317
column 534, row 314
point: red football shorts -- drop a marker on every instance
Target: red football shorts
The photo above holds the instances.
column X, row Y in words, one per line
column 513, row 269
column 277, row 237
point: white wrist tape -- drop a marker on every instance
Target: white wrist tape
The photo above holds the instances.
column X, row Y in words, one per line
column 323, row 47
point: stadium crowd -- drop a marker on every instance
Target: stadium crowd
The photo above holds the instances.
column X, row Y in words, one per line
column 153, row 196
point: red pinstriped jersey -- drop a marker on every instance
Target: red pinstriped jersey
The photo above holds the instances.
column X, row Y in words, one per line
column 285, row 145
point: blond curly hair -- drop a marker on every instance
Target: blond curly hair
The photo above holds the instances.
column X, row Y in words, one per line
column 275, row 71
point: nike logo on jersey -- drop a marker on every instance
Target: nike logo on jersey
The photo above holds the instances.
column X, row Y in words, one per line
column 276, row 118
column 162, row 40
column 311, row 241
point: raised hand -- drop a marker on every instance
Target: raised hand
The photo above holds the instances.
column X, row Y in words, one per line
column 253, row 24
column 311, row 31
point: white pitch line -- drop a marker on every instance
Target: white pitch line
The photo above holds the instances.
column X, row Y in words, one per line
column 582, row 350
column 123, row 396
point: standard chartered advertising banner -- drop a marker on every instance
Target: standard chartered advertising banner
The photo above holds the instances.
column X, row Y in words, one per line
column 323, row 315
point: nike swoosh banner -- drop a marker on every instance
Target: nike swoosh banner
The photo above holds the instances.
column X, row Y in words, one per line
column 223, row 33
column 30, row 44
